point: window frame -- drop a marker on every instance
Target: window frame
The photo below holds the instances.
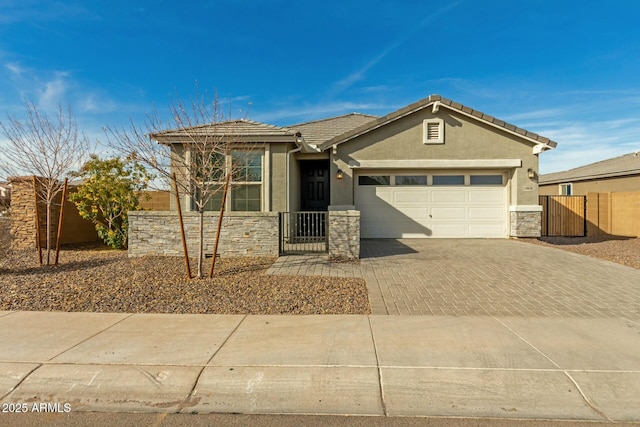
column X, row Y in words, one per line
column 471, row 175
column 464, row 180
column 234, row 184
column 372, row 184
column 565, row 189
column 426, row 180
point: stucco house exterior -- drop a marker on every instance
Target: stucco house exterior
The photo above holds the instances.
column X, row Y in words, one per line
column 432, row 169
column 618, row 174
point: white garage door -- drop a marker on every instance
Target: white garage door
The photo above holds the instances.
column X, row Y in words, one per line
column 438, row 206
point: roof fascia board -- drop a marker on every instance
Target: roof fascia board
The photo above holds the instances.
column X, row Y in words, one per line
column 550, row 144
column 169, row 140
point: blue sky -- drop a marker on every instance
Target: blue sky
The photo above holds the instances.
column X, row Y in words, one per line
column 565, row 69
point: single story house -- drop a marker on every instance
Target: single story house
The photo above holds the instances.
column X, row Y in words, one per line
column 612, row 175
column 432, row 169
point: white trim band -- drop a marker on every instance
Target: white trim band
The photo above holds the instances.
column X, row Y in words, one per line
column 525, row 208
column 436, row 164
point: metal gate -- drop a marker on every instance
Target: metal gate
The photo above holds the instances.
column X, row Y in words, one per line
column 303, row 232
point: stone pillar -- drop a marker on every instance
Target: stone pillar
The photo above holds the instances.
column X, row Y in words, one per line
column 344, row 234
column 23, row 220
column 525, row 220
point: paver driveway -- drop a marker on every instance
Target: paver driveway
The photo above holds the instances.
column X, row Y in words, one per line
column 483, row 277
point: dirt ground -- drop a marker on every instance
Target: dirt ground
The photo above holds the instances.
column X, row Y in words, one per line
column 104, row 280
column 625, row 251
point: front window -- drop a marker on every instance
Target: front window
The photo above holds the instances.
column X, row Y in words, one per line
column 245, row 192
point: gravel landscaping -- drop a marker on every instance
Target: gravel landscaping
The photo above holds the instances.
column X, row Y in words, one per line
column 625, row 251
column 102, row 280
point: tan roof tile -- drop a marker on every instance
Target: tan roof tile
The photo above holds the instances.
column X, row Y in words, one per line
column 234, row 128
column 319, row 131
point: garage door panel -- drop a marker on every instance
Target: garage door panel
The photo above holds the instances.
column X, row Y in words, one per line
column 439, row 213
column 382, row 212
column 413, row 196
column 448, row 196
column 374, row 195
column 414, row 213
column 486, row 196
column 481, row 213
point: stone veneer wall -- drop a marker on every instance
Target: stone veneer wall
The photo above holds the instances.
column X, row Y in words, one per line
column 525, row 223
column 242, row 234
column 344, row 234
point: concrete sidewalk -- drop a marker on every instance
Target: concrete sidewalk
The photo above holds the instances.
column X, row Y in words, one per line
column 506, row 367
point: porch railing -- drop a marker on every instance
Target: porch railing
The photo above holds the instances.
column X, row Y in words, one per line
column 303, row 232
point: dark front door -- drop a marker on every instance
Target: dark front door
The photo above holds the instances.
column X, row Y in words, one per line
column 314, row 185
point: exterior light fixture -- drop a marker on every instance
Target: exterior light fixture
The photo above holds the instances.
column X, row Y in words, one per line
column 531, row 173
column 340, row 174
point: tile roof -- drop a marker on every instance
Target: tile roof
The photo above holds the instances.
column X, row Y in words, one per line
column 429, row 101
column 319, row 131
column 235, row 128
column 628, row 164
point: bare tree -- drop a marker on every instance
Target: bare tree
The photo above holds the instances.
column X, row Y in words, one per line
column 48, row 147
column 195, row 144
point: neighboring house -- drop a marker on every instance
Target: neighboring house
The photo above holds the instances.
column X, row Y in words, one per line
column 612, row 175
column 435, row 168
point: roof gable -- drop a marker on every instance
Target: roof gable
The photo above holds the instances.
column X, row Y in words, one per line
column 628, row 164
column 435, row 102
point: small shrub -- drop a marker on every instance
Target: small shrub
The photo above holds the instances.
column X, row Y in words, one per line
column 109, row 191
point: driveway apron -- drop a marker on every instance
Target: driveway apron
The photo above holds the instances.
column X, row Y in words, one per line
column 494, row 277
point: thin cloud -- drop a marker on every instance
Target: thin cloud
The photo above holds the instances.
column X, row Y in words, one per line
column 54, row 91
column 535, row 114
column 15, row 69
column 359, row 74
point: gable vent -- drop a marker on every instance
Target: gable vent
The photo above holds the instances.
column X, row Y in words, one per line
column 433, row 131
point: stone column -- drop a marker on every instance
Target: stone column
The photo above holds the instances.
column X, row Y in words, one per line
column 344, row 234
column 23, row 219
column 525, row 220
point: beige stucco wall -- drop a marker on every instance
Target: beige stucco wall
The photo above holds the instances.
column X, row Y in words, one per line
column 606, row 185
column 465, row 139
column 278, row 176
